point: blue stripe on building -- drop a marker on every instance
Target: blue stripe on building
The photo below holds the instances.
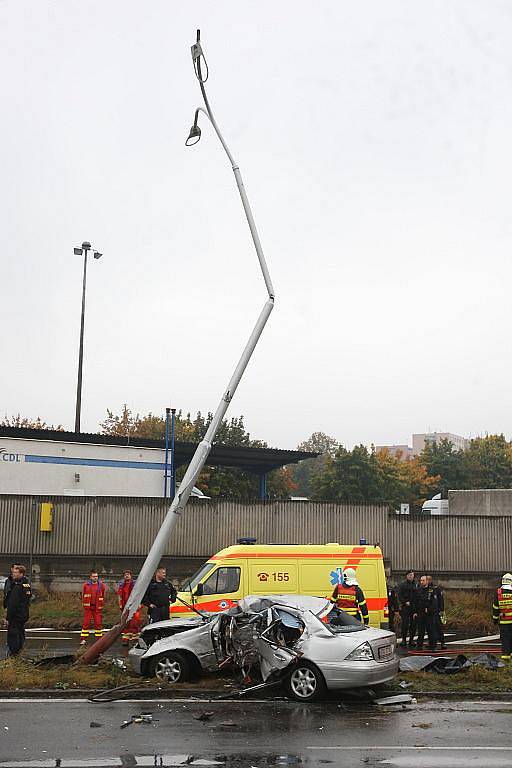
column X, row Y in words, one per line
column 33, row 459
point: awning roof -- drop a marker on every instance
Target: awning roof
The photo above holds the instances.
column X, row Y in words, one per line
column 257, row 460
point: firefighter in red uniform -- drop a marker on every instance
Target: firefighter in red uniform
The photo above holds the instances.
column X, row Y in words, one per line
column 124, row 589
column 502, row 615
column 349, row 596
column 93, row 597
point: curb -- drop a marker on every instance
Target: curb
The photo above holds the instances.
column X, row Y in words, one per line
column 204, row 695
column 84, row 693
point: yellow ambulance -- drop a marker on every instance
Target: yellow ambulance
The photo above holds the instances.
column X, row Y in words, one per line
column 302, row 569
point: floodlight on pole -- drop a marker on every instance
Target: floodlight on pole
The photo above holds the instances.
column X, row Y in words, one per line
column 83, row 250
column 203, row 449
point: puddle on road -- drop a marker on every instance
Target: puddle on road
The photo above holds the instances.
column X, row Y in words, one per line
column 163, row 761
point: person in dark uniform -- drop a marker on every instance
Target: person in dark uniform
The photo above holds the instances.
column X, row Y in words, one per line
column 406, row 594
column 158, row 597
column 18, row 601
column 424, row 611
column 8, row 583
column 438, row 618
column 393, row 607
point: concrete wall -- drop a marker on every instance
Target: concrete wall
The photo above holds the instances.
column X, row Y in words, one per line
column 492, row 502
column 111, row 533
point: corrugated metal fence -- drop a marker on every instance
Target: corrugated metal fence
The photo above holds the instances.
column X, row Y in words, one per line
column 127, row 526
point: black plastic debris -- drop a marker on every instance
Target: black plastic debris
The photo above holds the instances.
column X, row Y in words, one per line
column 54, row 661
column 92, row 724
column 449, row 665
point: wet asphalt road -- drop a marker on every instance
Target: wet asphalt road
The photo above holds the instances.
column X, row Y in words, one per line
column 38, row 734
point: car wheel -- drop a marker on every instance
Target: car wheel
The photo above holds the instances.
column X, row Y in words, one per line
column 305, row 682
column 170, row 667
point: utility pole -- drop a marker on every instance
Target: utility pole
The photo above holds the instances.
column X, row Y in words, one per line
column 86, row 247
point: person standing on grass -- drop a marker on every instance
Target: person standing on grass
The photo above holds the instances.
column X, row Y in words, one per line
column 124, row 590
column 406, row 596
column 424, row 610
column 18, row 601
column 439, row 614
column 93, row 598
column 8, row 583
column 393, row 607
column 502, row 615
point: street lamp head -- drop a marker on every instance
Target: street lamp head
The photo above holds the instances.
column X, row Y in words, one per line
column 77, row 251
column 194, row 135
column 195, row 132
column 97, row 255
column 86, row 246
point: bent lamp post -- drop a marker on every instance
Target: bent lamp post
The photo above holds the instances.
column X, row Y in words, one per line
column 203, row 449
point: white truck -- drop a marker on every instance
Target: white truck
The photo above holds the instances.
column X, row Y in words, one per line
column 435, row 506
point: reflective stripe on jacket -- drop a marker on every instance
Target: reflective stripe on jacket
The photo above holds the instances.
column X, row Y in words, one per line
column 502, row 606
column 93, row 595
column 351, row 600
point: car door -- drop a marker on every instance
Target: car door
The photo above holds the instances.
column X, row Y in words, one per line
column 274, row 654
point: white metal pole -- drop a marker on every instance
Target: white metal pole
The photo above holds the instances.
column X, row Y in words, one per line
column 203, row 449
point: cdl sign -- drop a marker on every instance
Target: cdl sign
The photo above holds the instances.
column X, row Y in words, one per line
column 12, row 457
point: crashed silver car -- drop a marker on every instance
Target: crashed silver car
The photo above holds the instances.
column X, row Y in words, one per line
column 306, row 642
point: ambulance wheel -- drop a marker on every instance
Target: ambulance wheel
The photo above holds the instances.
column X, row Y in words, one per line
column 305, row 682
column 170, row 667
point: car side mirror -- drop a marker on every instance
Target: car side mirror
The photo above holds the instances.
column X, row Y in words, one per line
column 199, row 590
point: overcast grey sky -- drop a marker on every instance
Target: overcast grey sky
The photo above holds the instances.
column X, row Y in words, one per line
column 375, row 143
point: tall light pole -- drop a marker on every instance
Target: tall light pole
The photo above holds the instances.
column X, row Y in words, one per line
column 86, row 247
column 203, row 449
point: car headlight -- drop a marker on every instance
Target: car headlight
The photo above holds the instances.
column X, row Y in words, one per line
column 362, row 653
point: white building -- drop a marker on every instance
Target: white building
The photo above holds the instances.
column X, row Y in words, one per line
column 44, row 462
column 420, row 440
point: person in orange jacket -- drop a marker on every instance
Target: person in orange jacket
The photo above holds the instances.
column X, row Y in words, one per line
column 93, row 598
column 124, row 589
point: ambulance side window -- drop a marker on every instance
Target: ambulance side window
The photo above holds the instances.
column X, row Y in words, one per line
column 222, row 581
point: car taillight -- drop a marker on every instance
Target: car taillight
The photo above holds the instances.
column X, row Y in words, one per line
column 386, row 611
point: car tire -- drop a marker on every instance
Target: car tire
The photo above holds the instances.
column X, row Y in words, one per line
column 305, row 682
column 170, row 667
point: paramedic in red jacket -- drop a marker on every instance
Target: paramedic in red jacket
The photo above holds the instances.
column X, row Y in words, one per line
column 93, row 597
column 124, row 588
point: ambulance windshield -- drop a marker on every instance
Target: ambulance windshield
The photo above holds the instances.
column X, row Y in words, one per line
column 197, row 578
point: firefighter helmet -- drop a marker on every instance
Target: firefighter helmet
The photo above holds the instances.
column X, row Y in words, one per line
column 506, row 578
column 349, row 577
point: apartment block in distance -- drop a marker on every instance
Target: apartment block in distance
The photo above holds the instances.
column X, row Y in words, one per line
column 400, row 451
column 420, row 440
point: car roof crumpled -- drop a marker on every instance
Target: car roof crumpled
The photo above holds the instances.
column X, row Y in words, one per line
column 302, row 603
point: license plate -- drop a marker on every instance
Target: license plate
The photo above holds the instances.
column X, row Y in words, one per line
column 386, row 652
